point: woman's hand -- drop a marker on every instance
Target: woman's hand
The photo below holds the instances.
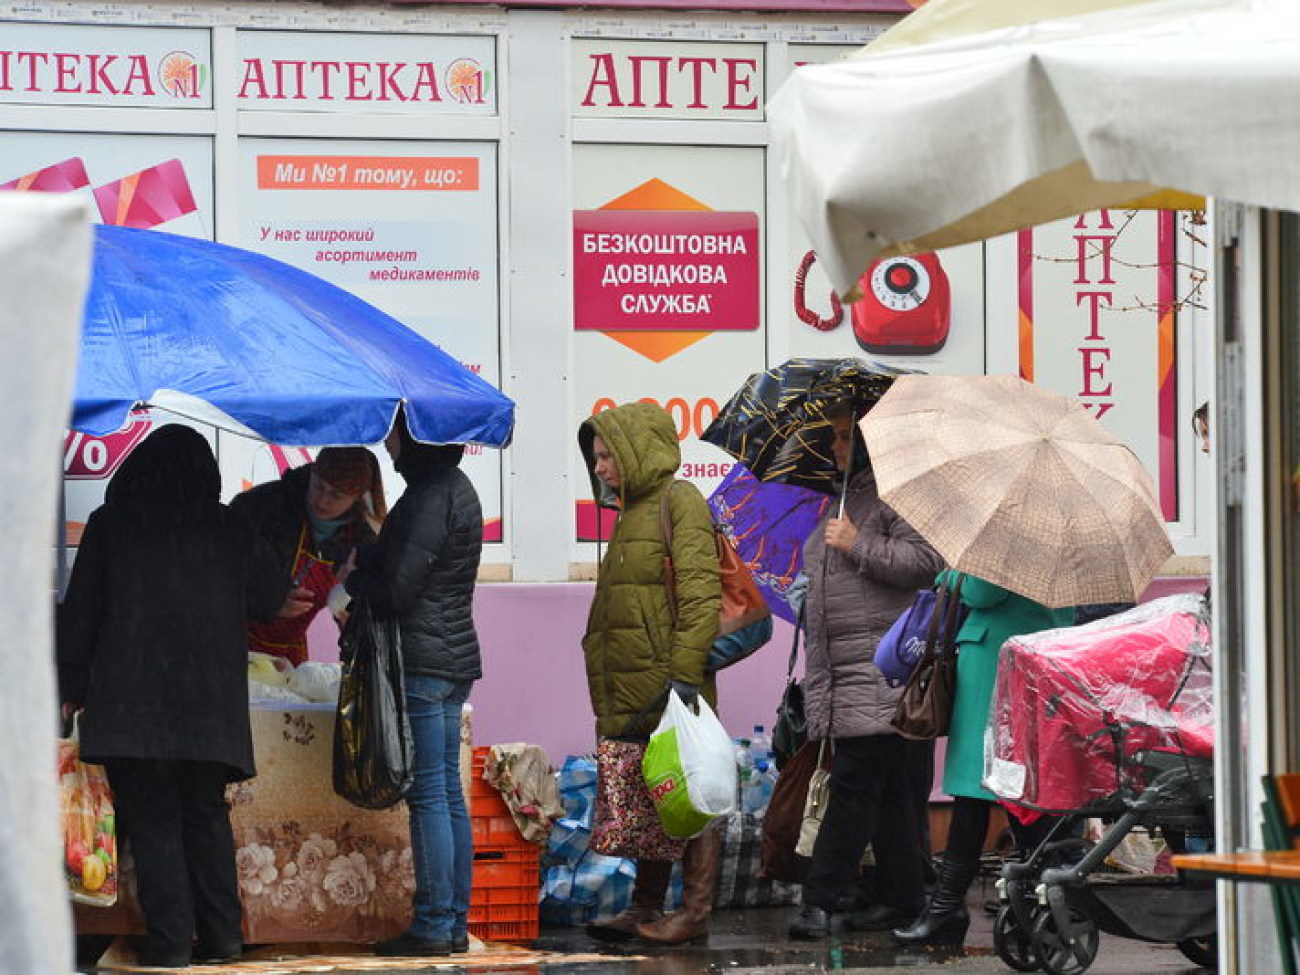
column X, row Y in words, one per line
column 841, row 534
column 338, row 602
column 296, row 603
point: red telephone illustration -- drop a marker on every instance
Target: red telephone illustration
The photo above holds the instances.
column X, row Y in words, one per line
column 906, row 307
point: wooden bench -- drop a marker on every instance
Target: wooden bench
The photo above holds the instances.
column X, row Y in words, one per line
column 1279, row 865
column 1263, row 866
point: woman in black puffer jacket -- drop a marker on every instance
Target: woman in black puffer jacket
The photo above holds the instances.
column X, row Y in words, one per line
column 422, row 570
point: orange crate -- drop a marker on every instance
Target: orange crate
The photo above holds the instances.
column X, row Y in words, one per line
column 507, row 867
column 493, row 830
column 478, row 789
column 503, row 899
column 509, row 932
column 503, row 903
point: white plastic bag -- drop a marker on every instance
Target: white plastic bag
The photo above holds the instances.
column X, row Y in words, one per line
column 690, row 768
column 317, row 681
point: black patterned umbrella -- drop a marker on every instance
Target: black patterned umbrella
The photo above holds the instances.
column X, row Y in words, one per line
column 777, row 424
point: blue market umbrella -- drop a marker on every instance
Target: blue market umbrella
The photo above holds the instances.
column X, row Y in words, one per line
column 768, row 521
column 249, row 343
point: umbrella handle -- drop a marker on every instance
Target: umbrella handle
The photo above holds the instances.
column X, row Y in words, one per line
column 844, row 494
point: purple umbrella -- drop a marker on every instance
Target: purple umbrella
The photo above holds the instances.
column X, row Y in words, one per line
column 768, row 521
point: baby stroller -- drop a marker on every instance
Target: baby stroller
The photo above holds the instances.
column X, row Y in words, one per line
column 1112, row 720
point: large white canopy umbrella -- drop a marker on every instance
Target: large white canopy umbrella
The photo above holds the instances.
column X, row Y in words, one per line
column 918, row 143
column 45, row 245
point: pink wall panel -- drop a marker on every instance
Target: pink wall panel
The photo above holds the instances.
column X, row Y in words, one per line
column 534, row 688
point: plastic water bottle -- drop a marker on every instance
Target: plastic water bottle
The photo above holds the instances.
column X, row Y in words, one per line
column 759, row 791
column 760, row 745
column 744, row 769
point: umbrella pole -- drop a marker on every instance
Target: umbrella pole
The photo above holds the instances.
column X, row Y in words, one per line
column 844, row 494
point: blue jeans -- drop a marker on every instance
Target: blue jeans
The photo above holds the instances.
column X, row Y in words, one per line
column 442, row 845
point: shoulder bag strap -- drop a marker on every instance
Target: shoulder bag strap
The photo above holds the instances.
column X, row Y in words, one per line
column 950, row 615
column 794, row 646
column 943, row 601
column 666, row 534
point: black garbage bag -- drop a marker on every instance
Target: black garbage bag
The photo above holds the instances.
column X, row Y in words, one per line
column 373, row 751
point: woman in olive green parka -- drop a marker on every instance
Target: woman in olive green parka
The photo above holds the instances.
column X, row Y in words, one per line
column 632, row 647
column 636, row 647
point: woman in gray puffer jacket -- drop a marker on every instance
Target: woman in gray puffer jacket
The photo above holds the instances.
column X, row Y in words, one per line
column 863, row 569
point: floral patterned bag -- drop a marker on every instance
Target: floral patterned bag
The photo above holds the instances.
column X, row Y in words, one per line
column 89, row 830
column 625, row 823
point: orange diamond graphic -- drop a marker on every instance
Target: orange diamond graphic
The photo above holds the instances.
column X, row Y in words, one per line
column 655, row 194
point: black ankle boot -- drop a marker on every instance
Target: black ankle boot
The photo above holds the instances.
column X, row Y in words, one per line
column 945, row 919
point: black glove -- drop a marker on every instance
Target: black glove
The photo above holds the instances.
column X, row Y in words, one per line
column 689, row 693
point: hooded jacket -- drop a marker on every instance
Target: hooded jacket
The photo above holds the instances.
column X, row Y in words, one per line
column 151, row 634
column 632, row 647
column 853, row 599
column 424, row 566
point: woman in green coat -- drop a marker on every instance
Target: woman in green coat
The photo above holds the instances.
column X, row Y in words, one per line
column 996, row 615
column 637, row 647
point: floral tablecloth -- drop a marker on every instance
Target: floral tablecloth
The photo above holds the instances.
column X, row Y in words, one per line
column 312, row 867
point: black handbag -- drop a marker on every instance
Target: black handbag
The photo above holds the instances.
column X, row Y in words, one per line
column 791, row 728
column 374, row 755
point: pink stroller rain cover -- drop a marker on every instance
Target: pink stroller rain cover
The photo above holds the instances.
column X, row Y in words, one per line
column 1072, row 706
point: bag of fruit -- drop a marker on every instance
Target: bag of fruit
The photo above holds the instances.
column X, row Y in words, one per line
column 89, row 832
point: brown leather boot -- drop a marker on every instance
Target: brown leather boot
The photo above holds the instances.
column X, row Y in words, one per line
column 699, row 874
column 646, row 905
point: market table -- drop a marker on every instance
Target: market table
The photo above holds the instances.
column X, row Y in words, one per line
column 1257, row 866
column 312, row 867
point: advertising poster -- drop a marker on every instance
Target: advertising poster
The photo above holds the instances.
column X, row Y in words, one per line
column 1097, row 322
column 409, row 227
column 668, row 250
column 925, row 312
column 153, row 182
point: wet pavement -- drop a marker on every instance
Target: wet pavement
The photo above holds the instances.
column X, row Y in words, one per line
column 755, row 941
column 744, row 941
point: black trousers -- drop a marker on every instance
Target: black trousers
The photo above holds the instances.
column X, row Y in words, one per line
column 175, row 817
column 970, row 824
column 872, row 800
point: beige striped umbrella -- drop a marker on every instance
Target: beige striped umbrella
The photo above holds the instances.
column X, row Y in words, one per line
column 1019, row 486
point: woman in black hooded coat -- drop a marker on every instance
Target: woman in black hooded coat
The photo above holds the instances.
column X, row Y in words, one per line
column 152, row 644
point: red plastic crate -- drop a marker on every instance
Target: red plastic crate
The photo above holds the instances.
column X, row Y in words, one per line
column 491, row 831
column 508, row 932
column 489, row 815
column 516, row 866
column 478, row 789
column 504, row 895
column 507, row 868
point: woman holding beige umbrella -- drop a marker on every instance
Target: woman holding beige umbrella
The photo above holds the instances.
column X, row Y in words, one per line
column 1030, row 496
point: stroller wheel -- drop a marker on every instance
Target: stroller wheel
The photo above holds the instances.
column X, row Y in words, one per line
column 1015, row 945
column 1201, row 951
column 1062, row 955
